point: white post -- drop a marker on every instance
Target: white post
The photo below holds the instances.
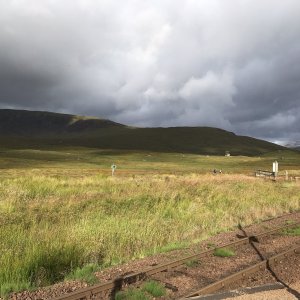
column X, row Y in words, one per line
column 275, row 168
column 113, row 167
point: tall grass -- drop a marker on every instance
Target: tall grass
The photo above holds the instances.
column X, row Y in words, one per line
column 58, row 213
column 51, row 226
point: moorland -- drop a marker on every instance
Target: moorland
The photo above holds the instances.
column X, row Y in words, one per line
column 61, row 209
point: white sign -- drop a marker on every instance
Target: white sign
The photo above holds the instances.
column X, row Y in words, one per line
column 275, row 167
column 113, row 167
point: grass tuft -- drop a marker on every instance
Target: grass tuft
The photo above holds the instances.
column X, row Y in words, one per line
column 86, row 273
column 132, row 294
column 224, row 252
column 192, row 263
column 154, row 288
column 9, row 287
column 292, row 231
column 172, row 247
column 211, row 245
column 289, row 222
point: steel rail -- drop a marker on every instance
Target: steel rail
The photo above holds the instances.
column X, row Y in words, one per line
column 277, row 217
column 244, row 273
column 93, row 291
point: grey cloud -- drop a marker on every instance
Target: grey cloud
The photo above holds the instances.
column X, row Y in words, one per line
column 156, row 63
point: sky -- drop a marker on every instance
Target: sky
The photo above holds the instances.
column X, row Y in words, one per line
column 231, row 64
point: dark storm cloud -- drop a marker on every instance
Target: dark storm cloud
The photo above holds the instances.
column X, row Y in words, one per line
column 230, row 64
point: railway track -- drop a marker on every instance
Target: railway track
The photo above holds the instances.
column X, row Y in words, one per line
column 109, row 289
column 263, row 265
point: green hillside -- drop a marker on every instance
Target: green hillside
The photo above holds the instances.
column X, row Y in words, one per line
column 23, row 122
column 44, row 129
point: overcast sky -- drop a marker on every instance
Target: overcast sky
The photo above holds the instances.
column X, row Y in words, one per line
column 232, row 64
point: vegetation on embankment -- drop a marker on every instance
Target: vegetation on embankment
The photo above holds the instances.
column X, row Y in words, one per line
column 58, row 212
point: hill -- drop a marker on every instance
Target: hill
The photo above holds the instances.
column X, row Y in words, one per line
column 32, row 129
column 293, row 145
column 24, row 122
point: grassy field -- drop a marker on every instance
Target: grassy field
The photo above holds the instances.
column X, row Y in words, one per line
column 61, row 209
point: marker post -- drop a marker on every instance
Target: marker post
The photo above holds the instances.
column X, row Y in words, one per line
column 113, row 167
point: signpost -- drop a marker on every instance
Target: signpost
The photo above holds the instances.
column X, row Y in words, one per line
column 275, row 168
column 113, row 167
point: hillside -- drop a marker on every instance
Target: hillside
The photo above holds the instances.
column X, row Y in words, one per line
column 44, row 129
column 37, row 122
column 294, row 145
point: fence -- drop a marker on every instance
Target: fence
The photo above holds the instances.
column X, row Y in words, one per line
column 262, row 173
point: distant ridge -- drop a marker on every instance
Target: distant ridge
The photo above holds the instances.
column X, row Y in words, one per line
column 36, row 129
column 293, row 145
column 24, row 121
